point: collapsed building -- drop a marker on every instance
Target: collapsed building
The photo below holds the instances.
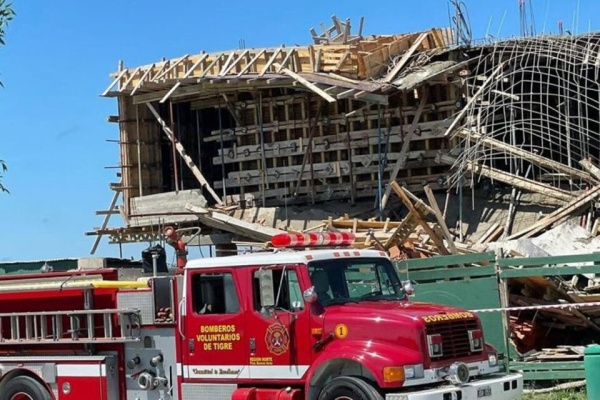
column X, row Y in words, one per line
column 248, row 142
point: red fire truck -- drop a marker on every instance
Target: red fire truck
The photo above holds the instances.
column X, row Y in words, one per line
column 320, row 324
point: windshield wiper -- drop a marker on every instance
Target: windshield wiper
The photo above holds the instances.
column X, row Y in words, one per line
column 339, row 300
column 382, row 297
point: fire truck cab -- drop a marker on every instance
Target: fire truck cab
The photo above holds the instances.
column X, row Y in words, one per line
column 314, row 324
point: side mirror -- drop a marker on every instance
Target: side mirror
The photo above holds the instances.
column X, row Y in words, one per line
column 267, row 289
column 408, row 288
column 309, row 295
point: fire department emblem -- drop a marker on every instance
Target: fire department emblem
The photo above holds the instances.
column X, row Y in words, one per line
column 277, row 339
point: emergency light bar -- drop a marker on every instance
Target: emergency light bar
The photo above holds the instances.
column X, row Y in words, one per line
column 312, row 239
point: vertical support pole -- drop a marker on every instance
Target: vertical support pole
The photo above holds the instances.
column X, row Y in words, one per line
column 199, row 139
column 348, row 138
column 222, row 151
column 503, row 292
column 173, row 149
column 263, row 158
column 379, row 168
column 139, row 150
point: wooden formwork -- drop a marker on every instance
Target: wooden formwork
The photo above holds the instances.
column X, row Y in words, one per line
column 303, row 146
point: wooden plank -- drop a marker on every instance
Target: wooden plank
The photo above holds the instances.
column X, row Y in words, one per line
column 520, row 182
column 270, row 62
column 398, row 67
column 420, row 218
column 128, row 81
column 113, row 203
column 342, row 60
column 525, row 155
column 188, row 160
column 440, row 218
column 591, row 168
column 114, row 82
column 286, row 60
column 564, row 211
column 251, row 63
column 185, row 76
column 142, row 79
column 211, row 65
column 225, row 66
column 309, row 85
column 171, row 68
column 405, row 147
column 226, row 70
column 318, row 56
column 230, row 224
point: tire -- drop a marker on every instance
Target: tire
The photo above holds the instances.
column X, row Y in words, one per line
column 24, row 388
column 349, row 388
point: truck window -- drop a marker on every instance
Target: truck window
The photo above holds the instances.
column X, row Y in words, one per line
column 214, row 294
column 285, row 282
column 354, row 279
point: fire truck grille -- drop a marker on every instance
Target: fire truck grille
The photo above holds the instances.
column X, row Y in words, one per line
column 455, row 337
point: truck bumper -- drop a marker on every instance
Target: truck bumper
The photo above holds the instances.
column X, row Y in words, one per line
column 498, row 387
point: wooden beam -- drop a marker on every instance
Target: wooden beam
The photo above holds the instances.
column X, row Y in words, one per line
column 234, row 225
column 520, row 182
column 270, row 62
column 142, row 79
column 309, row 85
column 559, row 214
column 420, row 218
column 372, row 97
column 117, row 79
column 183, row 154
column 405, row 147
column 226, row 70
column 591, row 168
column 113, row 203
column 525, row 155
column 392, row 74
column 440, row 219
column 212, row 64
column 185, row 76
column 128, row 81
column 342, row 60
column 171, row 68
column 286, row 60
column 252, row 61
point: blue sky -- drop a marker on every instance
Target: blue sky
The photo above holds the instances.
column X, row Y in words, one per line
column 59, row 53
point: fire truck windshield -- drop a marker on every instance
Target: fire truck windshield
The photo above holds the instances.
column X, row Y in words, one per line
column 354, row 279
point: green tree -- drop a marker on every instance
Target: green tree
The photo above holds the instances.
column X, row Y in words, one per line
column 6, row 15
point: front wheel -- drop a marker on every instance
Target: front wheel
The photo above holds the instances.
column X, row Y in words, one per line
column 349, row 388
column 24, row 388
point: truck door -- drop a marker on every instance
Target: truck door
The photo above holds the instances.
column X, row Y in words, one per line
column 213, row 348
column 278, row 339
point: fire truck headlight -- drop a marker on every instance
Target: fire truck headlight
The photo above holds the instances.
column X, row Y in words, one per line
column 493, row 359
column 414, row 371
column 393, row 374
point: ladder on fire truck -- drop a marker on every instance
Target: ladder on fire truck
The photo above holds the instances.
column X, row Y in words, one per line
column 74, row 326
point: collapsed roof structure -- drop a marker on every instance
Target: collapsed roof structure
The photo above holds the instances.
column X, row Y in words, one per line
column 231, row 141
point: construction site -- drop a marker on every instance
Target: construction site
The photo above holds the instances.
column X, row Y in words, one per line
column 474, row 164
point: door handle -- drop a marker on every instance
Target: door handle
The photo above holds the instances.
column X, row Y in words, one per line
column 180, row 325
